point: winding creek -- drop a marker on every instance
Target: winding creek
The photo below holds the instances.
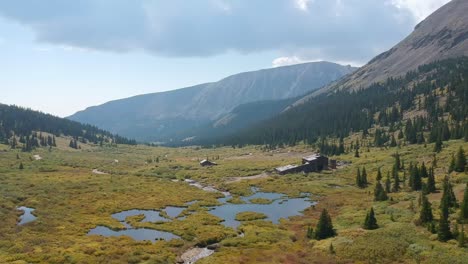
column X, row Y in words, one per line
column 274, row 206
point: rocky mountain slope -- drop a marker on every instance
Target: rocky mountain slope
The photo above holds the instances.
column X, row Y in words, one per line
column 157, row 116
column 442, row 35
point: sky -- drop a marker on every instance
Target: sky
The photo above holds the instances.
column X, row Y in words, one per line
column 60, row 56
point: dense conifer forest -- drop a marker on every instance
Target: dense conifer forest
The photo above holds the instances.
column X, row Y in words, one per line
column 425, row 106
column 21, row 125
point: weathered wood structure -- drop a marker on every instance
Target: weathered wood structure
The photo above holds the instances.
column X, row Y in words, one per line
column 207, row 163
column 311, row 163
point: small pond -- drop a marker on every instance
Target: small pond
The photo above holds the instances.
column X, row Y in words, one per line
column 139, row 234
column 280, row 207
column 27, row 215
column 276, row 207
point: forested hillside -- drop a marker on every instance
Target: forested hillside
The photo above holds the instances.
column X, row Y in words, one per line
column 426, row 105
column 21, row 125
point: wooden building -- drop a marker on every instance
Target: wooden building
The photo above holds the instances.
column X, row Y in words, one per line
column 206, row 163
column 311, row 163
column 315, row 162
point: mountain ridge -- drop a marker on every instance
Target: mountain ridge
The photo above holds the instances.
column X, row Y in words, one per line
column 158, row 115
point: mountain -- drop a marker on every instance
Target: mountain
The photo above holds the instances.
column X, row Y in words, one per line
column 442, row 35
column 423, row 77
column 17, row 122
column 157, row 116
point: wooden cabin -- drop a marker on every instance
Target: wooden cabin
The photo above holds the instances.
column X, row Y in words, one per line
column 207, row 163
column 315, row 163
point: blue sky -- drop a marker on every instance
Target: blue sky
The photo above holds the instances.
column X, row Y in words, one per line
column 60, row 56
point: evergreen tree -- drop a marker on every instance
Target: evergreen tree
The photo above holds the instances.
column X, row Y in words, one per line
column 423, row 171
column 370, row 222
column 379, row 192
column 356, row 153
column 443, row 233
column 452, row 164
column 464, row 206
column 379, row 175
column 324, row 227
column 431, row 188
column 364, row 177
column 448, row 196
column 396, row 178
column 388, row 184
column 416, row 183
column 21, row 166
column 460, row 162
column 358, row 178
column 425, row 216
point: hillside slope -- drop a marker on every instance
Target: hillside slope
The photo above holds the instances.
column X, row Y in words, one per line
column 157, row 116
column 17, row 122
column 442, row 35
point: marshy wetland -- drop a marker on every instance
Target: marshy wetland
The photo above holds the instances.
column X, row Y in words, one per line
column 142, row 210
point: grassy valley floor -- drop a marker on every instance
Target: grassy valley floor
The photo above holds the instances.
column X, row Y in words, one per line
column 69, row 200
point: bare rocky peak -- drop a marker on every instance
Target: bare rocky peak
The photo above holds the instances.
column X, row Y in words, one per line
column 444, row 34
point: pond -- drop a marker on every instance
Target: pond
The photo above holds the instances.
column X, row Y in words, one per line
column 274, row 206
column 280, row 207
column 27, row 216
column 139, row 234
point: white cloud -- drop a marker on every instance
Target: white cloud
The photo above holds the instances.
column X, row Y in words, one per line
column 285, row 61
column 336, row 30
column 303, row 4
column 420, row 8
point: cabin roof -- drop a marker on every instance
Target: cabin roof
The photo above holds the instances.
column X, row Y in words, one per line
column 287, row 167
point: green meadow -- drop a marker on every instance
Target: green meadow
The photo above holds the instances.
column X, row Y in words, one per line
column 69, row 200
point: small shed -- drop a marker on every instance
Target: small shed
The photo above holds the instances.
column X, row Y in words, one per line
column 207, row 163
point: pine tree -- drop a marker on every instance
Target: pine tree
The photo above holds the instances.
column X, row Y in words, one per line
column 388, row 184
column 464, row 206
column 370, row 222
column 425, row 216
column 416, row 183
column 379, row 193
column 460, row 162
column 448, row 195
column 358, row 178
column 324, row 227
column 364, row 177
column 396, row 178
column 431, row 188
column 423, row 171
column 443, row 233
column 452, row 164
column 379, row 175
column 21, row 166
column 356, row 153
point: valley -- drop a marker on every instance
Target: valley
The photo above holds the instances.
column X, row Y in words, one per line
column 69, row 201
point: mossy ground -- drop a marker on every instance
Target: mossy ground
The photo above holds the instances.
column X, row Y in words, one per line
column 70, row 200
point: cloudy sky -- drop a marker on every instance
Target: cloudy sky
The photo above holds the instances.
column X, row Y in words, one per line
column 63, row 56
